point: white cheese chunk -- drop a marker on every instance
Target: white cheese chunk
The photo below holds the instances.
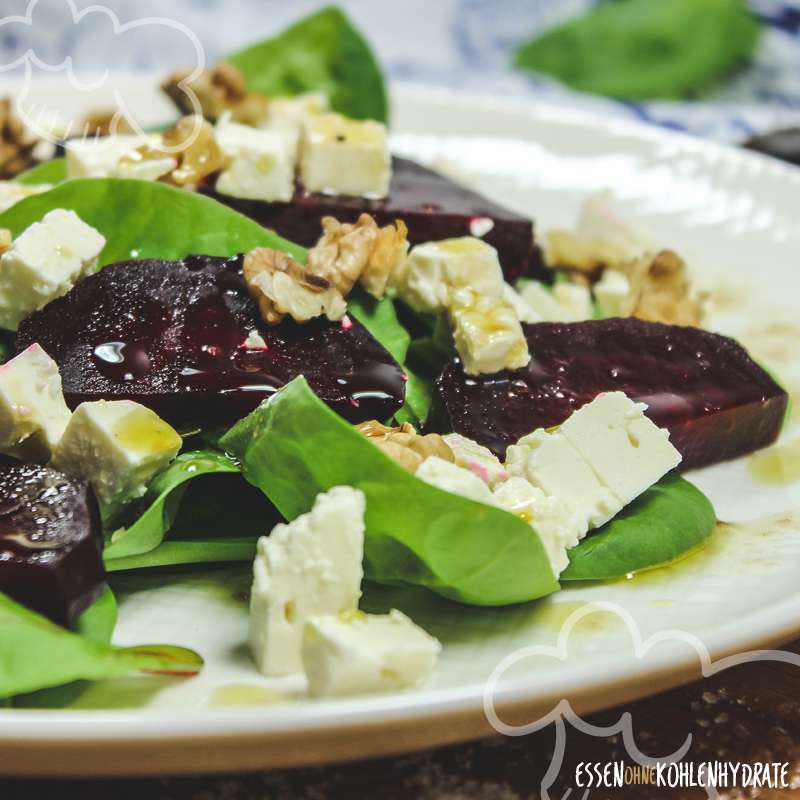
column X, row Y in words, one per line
column 476, row 458
column 33, row 414
column 451, row 478
column 550, row 462
column 12, row 192
column 118, row 446
column 525, row 311
column 255, row 341
column 566, row 302
column 612, row 293
column 98, row 158
column 261, row 162
column 434, row 269
column 135, row 167
column 310, row 566
column 626, row 450
column 558, row 526
column 357, row 653
column 345, row 156
column 44, row 262
column 487, row 333
column 289, row 114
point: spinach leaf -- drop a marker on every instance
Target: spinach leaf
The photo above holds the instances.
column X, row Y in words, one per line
column 145, row 219
column 100, row 619
column 644, row 49
column 669, row 519
column 38, row 654
column 52, row 171
column 380, row 319
column 294, row 447
column 189, row 551
column 162, row 501
column 323, row 53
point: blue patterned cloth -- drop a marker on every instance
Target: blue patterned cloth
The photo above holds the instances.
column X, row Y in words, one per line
column 461, row 44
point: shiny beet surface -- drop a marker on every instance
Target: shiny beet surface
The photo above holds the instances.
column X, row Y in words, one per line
column 431, row 205
column 716, row 402
column 782, row 144
column 50, row 542
column 171, row 335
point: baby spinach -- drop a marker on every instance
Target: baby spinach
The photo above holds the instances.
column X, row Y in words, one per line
column 669, row 519
column 644, row 49
column 52, row 171
column 100, row 619
column 37, row 654
column 294, row 447
column 189, row 551
column 145, row 219
column 321, row 53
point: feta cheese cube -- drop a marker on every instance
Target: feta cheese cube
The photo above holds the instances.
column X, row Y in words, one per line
column 525, row 311
column 118, row 446
column 551, row 463
column 99, row 157
column 487, row 333
column 451, row 478
column 612, row 293
column 44, row 262
column 575, row 301
column 261, row 163
column 136, row 167
column 345, row 156
column 434, row 269
column 357, row 653
column 12, row 192
column 626, row 450
column 290, row 113
column 558, row 526
column 33, row 414
column 309, row 566
column 476, row 458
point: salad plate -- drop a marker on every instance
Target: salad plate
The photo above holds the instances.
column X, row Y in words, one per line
column 732, row 215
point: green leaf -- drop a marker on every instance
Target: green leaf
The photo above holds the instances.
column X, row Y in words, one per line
column 52, row 171
column 36, row 654
column 321, row 53
column 190, row 551
column 668, row 520
column 644, row 49
column 380, row 319
column 100, row 619
column 294, row 447
column 419, row 395
column 146, row 219
column 163, row 499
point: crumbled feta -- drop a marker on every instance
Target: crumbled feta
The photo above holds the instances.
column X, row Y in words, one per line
column 261, row 162
column 309, row 566
column 451, row 478
column 345, row 156
column 559, row 527
column 33, row 413
column 550, row 462
column 136, row 167
column 290, row 113
column 118, row 446
column 358, row 653
column 626, row 450
column 98, row 158
column 44, row 262
column 525, row 311
column 434, row 269
column 481, row 226
column 476, row 458
column 487, row 333
column 255, row 341
column 612, row 293
column 12, row 192
column 600, row 220
column 566, row 302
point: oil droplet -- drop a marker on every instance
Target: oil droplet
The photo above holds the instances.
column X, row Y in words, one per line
column 778, row 466
column 245, row 694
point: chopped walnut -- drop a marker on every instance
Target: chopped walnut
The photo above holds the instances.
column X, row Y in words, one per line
column 404, row 445
column 565, row 249
column 363, row 252
column 283, row 286
column 104, row 122
column 5, row 240
column 220, row 89
column 661, row 290
column 17, row 144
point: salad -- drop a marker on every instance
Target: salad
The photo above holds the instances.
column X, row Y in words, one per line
column 257, row 336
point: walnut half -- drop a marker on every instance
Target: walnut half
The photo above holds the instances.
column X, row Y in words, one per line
column 404, row 445
column 283, row 286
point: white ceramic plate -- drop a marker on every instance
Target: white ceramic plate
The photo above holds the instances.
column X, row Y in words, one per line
column 734, row 216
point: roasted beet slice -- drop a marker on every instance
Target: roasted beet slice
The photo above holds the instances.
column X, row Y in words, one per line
column 716, row 401
column 432, row 206
column 50, row 541
column 171, row 335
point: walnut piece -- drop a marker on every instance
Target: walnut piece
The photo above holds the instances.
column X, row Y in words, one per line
column 404, row 445
column 104, row 122
column 362, row 251
column 220, row 89
column 565, row 249
column 17, row 144
column 662, row 292
column 283, row 286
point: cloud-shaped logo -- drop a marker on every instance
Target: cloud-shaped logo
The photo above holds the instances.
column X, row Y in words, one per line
column 29, row 38
column 563, row 713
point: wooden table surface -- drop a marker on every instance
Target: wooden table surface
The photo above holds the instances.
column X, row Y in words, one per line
column 749, row 714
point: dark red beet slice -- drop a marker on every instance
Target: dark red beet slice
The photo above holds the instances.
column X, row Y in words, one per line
column 715, row 400
column 171, row 334
column 50, row 542
column 431, row 205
